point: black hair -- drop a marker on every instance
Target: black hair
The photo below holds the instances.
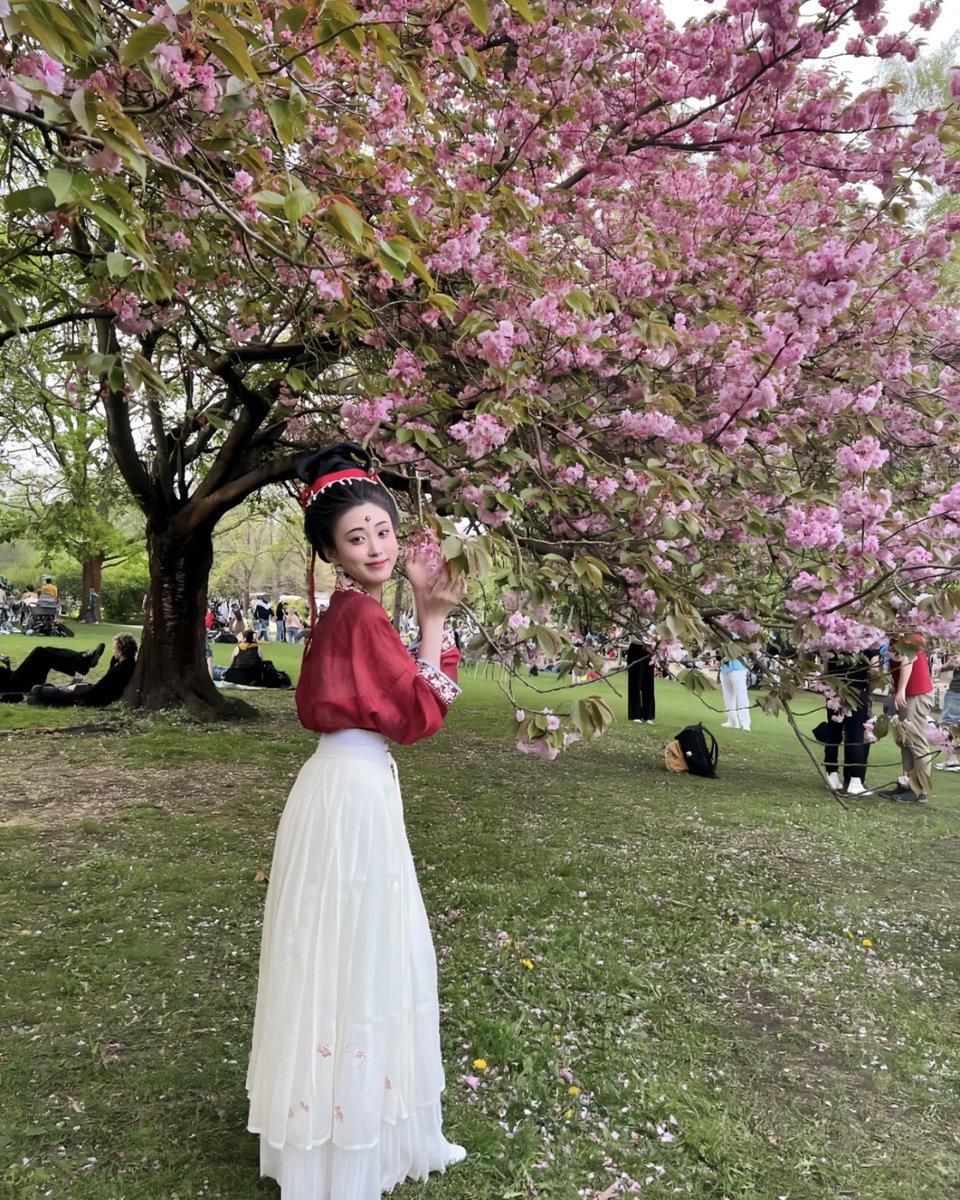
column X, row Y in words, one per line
column 324, row 509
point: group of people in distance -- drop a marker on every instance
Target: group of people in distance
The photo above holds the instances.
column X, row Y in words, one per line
column 848, row 682
column 225, row 621
column 850, row 707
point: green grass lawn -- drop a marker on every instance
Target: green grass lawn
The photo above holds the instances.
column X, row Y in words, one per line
column 711, row 988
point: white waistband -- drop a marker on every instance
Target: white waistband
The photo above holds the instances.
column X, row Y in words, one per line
column 366, row 738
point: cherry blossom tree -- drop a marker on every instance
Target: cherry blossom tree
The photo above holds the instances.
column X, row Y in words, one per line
column 648, row 306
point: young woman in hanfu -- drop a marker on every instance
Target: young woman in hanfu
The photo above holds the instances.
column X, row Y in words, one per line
column 345, row 1073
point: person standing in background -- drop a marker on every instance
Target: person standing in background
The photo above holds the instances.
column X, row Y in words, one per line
column 641, row 702
column 280, row 612
column 733, row 685
column 913, row 706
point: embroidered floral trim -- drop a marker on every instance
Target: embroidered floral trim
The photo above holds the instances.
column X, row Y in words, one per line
column 447, row 642
column 441, row 685
column 346, row 583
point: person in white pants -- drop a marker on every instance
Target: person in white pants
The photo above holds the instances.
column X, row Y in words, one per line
column 733, row 685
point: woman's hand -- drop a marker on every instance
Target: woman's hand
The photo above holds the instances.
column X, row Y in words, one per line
column 420, row 568
column 441, row 598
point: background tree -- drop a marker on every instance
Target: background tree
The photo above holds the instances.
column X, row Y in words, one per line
column 62, row 490
column 616, row 290
column 261, row 549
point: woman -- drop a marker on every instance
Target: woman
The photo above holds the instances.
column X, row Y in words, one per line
column 295, row 630
column 235, row 625
column 246, row 665
column 641, row 701
column 345, row 1072
column 733, row 686
column 280, row 615
column 850, row 681
column 107, row 690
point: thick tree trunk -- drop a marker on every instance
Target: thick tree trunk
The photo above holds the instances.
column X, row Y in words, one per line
column 92, row 579
column 171, row 666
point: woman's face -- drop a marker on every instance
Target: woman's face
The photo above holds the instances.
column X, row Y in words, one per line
column 365, row 546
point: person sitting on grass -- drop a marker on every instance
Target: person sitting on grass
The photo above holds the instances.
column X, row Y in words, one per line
column 246, row 665
column 107, row 690
column 15, row 681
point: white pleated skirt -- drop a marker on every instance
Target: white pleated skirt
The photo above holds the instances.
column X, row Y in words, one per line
column 345, row 1073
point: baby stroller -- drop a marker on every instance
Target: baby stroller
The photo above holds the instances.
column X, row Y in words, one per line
column 42, row 619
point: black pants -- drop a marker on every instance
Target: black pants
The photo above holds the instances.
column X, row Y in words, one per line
column 58, row 697
column 641, row 705
column 39, row 663
column 849, row 731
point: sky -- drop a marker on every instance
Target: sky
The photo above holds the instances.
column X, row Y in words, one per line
column 858, row 69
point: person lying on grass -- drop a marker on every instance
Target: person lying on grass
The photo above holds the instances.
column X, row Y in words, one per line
column 15, row 681
column 107, row 690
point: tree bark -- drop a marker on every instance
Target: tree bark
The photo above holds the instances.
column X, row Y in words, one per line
column 92, row 578
column 171, row 667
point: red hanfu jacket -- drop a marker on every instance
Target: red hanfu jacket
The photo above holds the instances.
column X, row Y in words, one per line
column 357, row 674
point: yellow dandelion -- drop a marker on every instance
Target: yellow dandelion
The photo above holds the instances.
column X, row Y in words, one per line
column 525, row 962
column 866, row 942
column 573, row 1090
column 568, row 1114
column 479, row 1064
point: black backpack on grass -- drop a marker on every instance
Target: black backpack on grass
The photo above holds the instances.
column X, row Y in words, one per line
column 700, row 750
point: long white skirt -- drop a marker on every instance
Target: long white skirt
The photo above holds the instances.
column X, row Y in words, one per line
column 345, row 1073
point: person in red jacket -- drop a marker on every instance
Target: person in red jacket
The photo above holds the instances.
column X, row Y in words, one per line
column 913, row 704
column 345, row 1073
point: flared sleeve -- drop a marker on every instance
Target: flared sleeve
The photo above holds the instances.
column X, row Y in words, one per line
column 357, row 674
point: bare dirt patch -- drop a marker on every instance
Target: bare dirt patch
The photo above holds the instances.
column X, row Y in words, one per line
column 45, row 787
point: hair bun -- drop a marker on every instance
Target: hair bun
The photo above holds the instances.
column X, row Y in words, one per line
column 340, row 457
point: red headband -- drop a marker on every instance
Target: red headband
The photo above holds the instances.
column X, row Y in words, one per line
column 324, row 481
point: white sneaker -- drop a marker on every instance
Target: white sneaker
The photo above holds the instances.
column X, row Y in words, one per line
column 729, row 725
column 855, row 788
column 833, row 779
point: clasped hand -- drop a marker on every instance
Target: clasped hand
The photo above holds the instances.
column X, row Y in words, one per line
column 436, row 593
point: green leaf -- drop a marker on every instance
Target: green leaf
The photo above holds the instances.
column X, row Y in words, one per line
column 346, row 219
column 59, row 182
column 232, row 40
column 11, row 314
column 107, row 219
column 32, row 199
column 83, row 105
column 398, row 248
column 446, row 304
column 290, row 18
column 33, row 20
column 297, row 204
column 522, row 9
column 286, row 118
column 479, row 14
column 141, row 42
column 393, row 268
column 118, row 265
column 149, row 372
column 267, row 199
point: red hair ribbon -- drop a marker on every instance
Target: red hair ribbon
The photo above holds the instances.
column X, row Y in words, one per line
column 324, row 481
